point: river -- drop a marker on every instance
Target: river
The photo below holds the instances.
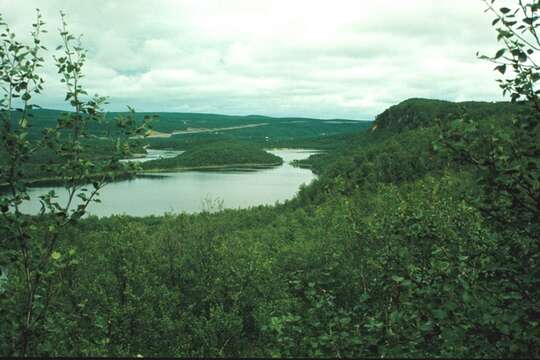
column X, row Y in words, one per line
column 194, row 191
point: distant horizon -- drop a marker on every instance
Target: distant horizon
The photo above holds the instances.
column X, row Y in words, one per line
column 213, row 113
column 345, row 59
column 68, row 109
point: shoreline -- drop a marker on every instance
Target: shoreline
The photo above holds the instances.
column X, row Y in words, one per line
column 56, row 181
column 211, row 167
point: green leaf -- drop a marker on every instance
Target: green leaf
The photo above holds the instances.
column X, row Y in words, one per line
column 56, row 255
column 407, row 283
column 499, row 53
column 23, row 123
column 439, row 314
column 427, row 326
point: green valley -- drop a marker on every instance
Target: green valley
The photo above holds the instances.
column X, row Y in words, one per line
column 391, row 236
column 415, row 235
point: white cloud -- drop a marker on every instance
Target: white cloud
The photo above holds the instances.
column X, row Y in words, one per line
column 275, row 57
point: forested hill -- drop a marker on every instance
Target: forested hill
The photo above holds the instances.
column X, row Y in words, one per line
column 167, row 125
column 401, row 145
column 216, row 154
column 395, row 250
column 185, row 131
column 414, row 113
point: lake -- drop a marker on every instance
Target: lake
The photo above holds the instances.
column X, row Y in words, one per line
column 194, row 191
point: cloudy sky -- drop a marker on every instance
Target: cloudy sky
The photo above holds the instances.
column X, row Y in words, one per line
column 327, row 59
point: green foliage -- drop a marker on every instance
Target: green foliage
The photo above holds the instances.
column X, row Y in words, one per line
column 397, row 250
column 219, row 153
column 272, row 131
column 29, row 244
column 415, row 113
column 508, row 157
column 99, row 142
column 409, row 269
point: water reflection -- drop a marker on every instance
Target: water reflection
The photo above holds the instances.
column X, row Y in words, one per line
column 187, row 191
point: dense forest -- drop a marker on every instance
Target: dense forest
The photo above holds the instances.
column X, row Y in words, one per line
column 218, row 153
column 388, row 253
column 419, row 238
column 98, row 145
column 414, row 113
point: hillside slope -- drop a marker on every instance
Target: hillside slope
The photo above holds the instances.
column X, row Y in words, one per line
column 414, row 113
column 388, row 254
column 180, row 125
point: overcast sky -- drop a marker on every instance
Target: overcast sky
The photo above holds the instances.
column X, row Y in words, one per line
column 327, row 59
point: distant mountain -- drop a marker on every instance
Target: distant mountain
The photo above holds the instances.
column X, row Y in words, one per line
column 416, row 113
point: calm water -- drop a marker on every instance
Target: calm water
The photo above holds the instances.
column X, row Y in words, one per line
column 194, row 191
